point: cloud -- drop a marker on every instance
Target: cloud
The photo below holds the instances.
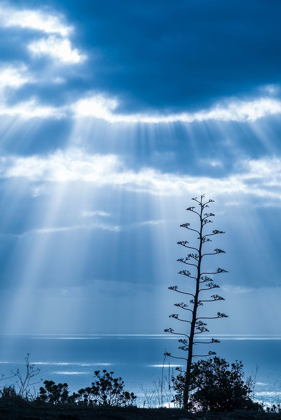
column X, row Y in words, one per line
column 30, row 109
column 167, row 60
column 171, row 58
column 151, row 223
column 59, row 229
column 236, row 110
column 73, row 165
column 48, row 22
column 236, row 289
column 259, row 178
column 106, row 105
column 12, row 76
column 91, row 226
column 98, row 106
column 57, row 45
column 56, row 48
column 105, row 108
column 86, row 214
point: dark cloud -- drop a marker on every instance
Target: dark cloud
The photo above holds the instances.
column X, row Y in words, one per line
column 169, row 55
column 177, row 54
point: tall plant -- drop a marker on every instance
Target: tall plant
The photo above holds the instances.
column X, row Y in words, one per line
column 202, row 284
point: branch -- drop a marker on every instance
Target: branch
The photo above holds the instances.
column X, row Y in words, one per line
column 186, row 225
column 219, row 270
column 202, row 330
column 175, row 289
column 185, row 344
column 205, row 279
column 187, row 274
column 213, row 341
column 193, row 211
column 183, row 243
column 184, row 348
column 208, row 215
column 215, row 232
column 176, row 316
column 210, row 286
column 171, row 331
column 206, row 221
column 193, row 256
column 211, row 353
column 215, row 298
column 219, row 315
column 216, row 251
column 200, row 324
column 184, row 260
column 183, row 306
column 197, row 201
column 199, row 302
column 207, row 202
column 174, row 357
column 201, row 327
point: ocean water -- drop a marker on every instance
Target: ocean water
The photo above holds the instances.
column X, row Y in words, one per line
column 138, row 359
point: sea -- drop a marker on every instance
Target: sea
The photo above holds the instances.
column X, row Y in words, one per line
column 138, row 359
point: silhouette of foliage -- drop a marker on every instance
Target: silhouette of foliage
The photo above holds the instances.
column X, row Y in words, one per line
column 24, row 382
column 104, row 391
column 107, row 391
column 275, row 408
column 197, row 285
column 54, row 393
column 215, row 385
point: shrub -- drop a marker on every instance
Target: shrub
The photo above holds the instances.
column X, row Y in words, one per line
column 105, row 391
column 23, row 382
column 217, row 386
column 9, row 396
column 8, row 392
column 54, row 394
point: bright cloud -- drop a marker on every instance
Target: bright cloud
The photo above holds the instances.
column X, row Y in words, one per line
column 97, row 106
column 14, row 77
column 91, row 226
column 240, row 111
column 71, row 166
column 102, row 107
column 56, row 48
column 57, row 45
column 30, row 109
column 259, row 178
column 33, row 19
column 86, row 214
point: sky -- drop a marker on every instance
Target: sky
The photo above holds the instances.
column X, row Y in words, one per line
column 113, row 117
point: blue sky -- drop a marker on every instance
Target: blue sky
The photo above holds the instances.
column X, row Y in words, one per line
column 112, row 119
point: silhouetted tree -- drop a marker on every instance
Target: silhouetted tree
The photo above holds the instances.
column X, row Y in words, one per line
column 217, row 386
column 202, row 283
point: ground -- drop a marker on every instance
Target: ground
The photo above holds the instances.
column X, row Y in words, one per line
column 31, row 412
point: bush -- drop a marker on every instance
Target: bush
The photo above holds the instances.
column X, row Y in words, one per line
column 9, row 396
column 23, row 382
column 105, row 391
column 217, row 386
column 54, row 394
column 8, row 393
